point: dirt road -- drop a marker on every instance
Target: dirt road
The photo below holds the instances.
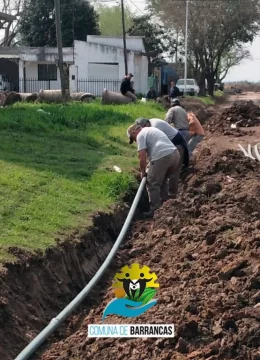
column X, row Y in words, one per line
column 255, row 97
column 205, row 249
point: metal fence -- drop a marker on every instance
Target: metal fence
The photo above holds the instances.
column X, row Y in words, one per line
column 97, row 86
column 34, row 85
column 93, row 86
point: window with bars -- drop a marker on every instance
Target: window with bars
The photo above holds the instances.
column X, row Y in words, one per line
column 47, row 72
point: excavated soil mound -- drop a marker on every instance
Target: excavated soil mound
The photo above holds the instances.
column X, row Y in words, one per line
column 243, row 115
column 205, row 249
column 190, row 105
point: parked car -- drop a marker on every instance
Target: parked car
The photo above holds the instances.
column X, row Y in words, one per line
column 4, row 83
column 191, row 86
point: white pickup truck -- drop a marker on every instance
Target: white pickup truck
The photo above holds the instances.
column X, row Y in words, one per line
column 4, row 83
column 191, row 86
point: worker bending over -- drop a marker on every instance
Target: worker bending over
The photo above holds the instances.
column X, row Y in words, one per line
column 177, row 116
column 196, row 132
column 164, row 159
column 172, row 133
column 176, row 138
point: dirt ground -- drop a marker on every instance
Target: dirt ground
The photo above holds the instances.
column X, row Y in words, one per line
column 205, row 249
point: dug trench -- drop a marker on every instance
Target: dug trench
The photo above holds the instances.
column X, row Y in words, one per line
column 205, row 249
column 37, row 287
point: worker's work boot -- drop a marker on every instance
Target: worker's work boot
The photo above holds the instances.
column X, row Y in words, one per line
column 148, row 214
column 172, row 195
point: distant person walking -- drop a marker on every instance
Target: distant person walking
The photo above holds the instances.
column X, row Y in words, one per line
column 174, row 91
column 196, row 132
column 126, row 87
column 163, row 166
column 177, row 116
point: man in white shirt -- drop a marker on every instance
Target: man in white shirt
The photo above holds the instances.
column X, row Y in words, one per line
column 163, row 166
column 173, row 134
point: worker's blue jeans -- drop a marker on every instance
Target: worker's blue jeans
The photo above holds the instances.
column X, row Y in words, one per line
column 185, row 133
column 193, row 142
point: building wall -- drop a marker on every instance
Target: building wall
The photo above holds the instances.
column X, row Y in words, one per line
column 31, row 77
column 94, row 61
column 133, row 43
column 140, row 72
column 45, row 54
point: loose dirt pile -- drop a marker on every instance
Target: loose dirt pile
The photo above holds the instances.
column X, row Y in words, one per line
column 190, row 104
column 243, row 115
column 205, row 249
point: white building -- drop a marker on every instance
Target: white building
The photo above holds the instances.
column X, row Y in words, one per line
column 93, row 65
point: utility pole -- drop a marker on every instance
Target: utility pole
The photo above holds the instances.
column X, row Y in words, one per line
column 59, row 43
column 124, row 35
column 186, row 46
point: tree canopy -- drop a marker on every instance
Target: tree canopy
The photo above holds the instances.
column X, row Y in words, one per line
column 37, row 24
column 216, row 28
column 110, row 20
column 9, row 24
column 156, row 39
column 154, row 36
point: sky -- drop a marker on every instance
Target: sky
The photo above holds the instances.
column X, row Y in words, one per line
column 247, row 70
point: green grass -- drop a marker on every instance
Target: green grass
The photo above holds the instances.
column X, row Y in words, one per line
column 56, row 170
column 208, row 100
column 219, row 93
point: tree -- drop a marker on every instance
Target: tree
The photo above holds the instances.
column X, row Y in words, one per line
column 157, row 41
column 10, row 13
column 215, row 28
column 37, row 27
column 233, row 58
column 110, row 20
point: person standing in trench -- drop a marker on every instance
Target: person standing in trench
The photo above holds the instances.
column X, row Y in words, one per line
column 164, row 159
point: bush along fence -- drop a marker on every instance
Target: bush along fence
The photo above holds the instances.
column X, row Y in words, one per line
column 93, row 86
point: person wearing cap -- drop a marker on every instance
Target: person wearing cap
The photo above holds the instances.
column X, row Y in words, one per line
column 197, row 132
column 173, row 134
column 126, row 88
column 164, row 158
column 177, row 116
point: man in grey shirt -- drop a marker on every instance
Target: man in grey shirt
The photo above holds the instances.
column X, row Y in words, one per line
column 173, row 134
column 177, row 116
column 175, row 137
column 163, row 166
